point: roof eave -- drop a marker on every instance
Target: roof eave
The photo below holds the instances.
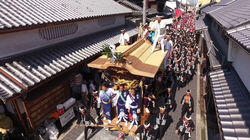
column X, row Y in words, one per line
column 36, row 26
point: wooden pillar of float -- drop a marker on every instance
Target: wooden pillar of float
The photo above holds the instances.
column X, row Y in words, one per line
column 14, row 103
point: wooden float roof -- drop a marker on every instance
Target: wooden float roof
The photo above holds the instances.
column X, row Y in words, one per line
column 140, row 60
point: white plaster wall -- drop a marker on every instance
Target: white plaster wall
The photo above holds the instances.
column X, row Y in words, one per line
column 23, row 41
column 218, row 36
column 241, row 63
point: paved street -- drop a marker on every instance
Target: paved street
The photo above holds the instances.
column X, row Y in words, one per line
column 170, row 133
column 77, row 133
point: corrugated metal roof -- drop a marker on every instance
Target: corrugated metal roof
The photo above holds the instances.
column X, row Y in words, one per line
column 24, row 72
column 233, row 14
column 242, row 37
column 232, row 104
column 20, row 13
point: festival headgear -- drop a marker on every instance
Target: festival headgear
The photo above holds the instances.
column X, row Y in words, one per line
column 147, row 124
column 162, row 107
column 158, row 16
column 105, row 84
column 82, row 108
column 187, row 117
column 188, row 91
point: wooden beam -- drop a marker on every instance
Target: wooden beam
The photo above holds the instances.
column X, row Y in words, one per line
column 28, row 115
column 13, row 79
column 14, row 103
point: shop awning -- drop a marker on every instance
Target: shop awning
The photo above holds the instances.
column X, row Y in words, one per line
column 232, row 103
column 140, row 60
column 19, row 74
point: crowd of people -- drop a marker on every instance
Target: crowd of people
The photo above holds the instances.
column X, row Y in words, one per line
column 182, row 53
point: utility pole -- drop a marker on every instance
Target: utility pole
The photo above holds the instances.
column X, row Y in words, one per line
column 144, row 12
column 186, row 6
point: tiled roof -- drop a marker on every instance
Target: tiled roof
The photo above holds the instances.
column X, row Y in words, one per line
column 131, row 5
column 200, row 24
column 216, row 6
column 232, row 105
column 19, row 74
column 20, row 13
column 232, row 15
column 242, row 37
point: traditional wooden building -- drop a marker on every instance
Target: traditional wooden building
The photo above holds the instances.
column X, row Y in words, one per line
column 44, row 43
column 225, row 36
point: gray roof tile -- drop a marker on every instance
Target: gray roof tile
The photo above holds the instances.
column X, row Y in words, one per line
column 242, row 37
column 216, row 6
column 21, row 13
column 233, row 14
column 131, row 5
column 200, row 24
column 32, row 69
column 232, row 105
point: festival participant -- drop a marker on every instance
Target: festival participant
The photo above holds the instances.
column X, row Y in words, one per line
column 169, row 101
column 121, row 109
column 184, row 127
column 159, row 84
column 93, row 98
column 124, row 38
column 167, row 44
column 187, row 104
column 149, row 98
column 140, row 31
column 161, row 121
column 133, row 106
column 147, row 131
column 105, row 98
column 85, row 93
column 145, row 32
column 85, row 118
column 160, row 30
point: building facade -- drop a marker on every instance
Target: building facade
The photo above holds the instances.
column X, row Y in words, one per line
column 41, row 51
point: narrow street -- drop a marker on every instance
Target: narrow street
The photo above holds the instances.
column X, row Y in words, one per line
column 170, row 133
column 77, row 133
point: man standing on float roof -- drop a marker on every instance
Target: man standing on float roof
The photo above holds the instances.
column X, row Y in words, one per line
column 105, row 98
column 160, row 32
column 124, row 38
